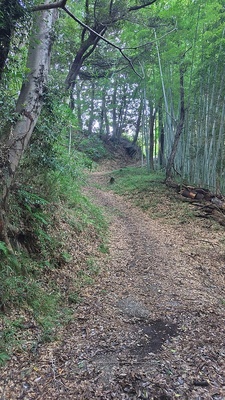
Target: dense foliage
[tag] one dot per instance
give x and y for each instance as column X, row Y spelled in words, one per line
column 131, row 85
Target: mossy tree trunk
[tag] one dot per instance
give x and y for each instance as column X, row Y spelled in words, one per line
column 28, row 108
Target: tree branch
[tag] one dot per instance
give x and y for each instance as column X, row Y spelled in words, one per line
column 92, row 49
column 153, row 41
column 135, row 8
column 62, row 4
column 102, row 38
column 58, row 4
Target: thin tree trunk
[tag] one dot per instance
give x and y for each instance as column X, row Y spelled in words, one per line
column 107, row 126
column 169, row 130
column 161, row 136
column 219, row 144
column 138, row 123
column 145, row 129
column 103, row 111
column 78, row 106
column 151, row 138
column 114, row 113
column 91, row 112
column 214, row 111
column 179, row 129
column 121, row 115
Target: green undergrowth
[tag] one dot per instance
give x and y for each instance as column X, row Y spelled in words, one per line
column 52, row 227
column 149, row 192
column 49, row 216
column 25, row 298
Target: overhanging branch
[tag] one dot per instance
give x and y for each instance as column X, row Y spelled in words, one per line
column 102, row 38
column 41, row 7
column 62, row 4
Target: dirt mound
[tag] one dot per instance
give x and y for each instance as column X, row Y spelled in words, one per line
column 121, row 155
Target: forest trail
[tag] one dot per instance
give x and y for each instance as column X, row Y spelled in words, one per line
column 150, row 327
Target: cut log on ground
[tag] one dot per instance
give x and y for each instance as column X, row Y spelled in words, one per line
column 210, row 205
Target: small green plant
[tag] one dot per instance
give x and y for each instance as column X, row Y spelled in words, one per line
column 66, row 257
column 4, row 357
column 93, row 267
column 3, row 248
column 222, row 302
column 9, row 337
column 103, row 247
column 74, row 298
column 48, row 324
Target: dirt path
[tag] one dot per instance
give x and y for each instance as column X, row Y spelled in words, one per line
column 151, row 327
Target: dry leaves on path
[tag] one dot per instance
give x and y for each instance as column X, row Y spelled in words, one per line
column 150, row 327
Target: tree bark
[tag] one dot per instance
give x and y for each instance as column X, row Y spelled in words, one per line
column 28, row 107
column 107, row 125
column 122, row 112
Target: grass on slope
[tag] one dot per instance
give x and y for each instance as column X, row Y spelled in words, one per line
column 148, row 191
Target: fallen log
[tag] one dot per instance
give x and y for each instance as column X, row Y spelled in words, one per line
column 210, row 205
column 216, row 215
column 218, row 203
column 196, row 193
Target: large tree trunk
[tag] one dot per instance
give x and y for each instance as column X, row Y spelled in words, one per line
column 28, row 106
